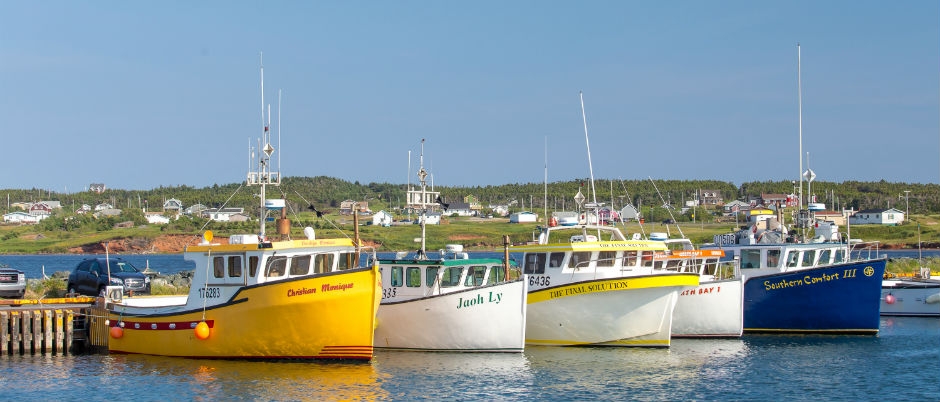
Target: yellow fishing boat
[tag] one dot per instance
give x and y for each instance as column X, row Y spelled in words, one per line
column 256, row 298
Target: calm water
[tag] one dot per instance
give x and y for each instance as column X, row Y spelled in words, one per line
column 901, row 363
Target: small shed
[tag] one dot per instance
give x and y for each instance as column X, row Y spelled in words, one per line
column 523, row 217
column 382, row 218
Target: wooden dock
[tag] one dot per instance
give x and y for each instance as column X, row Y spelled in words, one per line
column 52, row 326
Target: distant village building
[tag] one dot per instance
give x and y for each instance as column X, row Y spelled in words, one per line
column 103, row 206
column 709, row 197
column 888, row 216
column 523, row 217
column 736, row 207
column 781, row 200
column 460, row 208
column 226, row 214
column 430, row 218
column 173, row 205
column 41, row 210
column 97, row 187
column 195, row 210
column 156, row 218
column 629, row 212
column 839, row 218
column 346, row 207
column 382, row 218
column 20, row 217
column 83, row 209
column 500, row 210
column 53, row 204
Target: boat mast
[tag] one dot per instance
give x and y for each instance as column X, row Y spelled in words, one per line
column 263, row 176
column 590, row 166
column 799, row 85
column 422, row 175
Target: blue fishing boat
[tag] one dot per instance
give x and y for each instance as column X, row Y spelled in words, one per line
column 793, row 286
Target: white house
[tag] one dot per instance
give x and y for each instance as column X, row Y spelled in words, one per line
column 501, row 210
column 433, row 218
column 224, row 214
column 523, row 217
column 156, row 218
column 889, row 216
column 460, row 208
column 20, row 217
column 173, row 205
column 382, row 218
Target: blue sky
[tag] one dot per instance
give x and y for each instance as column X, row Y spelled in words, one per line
column 139, row 95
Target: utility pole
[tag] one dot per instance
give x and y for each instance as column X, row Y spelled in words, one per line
column 907, row 213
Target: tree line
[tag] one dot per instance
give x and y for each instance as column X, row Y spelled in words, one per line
column 326, row 193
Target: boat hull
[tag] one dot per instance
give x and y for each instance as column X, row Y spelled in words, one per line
column 711, row 309
column 839, row 298
column 920, row 298
column 626, row 311
column 331, row 316
column 482, row 319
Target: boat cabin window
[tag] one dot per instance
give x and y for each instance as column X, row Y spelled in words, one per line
column 629, row 258
column 647, row 258
column 252, row 266
column 673, row 265
column 840, row 256
column 430, row 275
column 497, row 274
column 451, row 277
column 579, row 259
column 808, row 257
column 475, row 276
column 606, row 258
column 793, row 259
column 396, row 276
column 277, row 267
column 773, row 258
column 323, row 263
column 825, row 256
column 555, row 260
column 534, row 263
column 347, row 261
column 300, row 265
column 218, row 267
column 235, row 266
column 750, row 258
column 413, row 277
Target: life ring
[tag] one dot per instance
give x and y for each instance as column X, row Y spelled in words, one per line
column 553, row 221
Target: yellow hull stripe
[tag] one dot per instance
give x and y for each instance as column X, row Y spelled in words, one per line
column 612, row 285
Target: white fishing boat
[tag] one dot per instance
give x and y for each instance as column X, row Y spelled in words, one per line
column 452, row 303
column 255, row 298
column 914, row 296
column 589, row 285
column 917, row 295
column 714, row 308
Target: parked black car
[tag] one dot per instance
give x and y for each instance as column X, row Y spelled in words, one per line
column 90, row 277
column 12, row 283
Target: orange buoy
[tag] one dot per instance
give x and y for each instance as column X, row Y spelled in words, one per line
column 117, row 332
column 202, row 331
